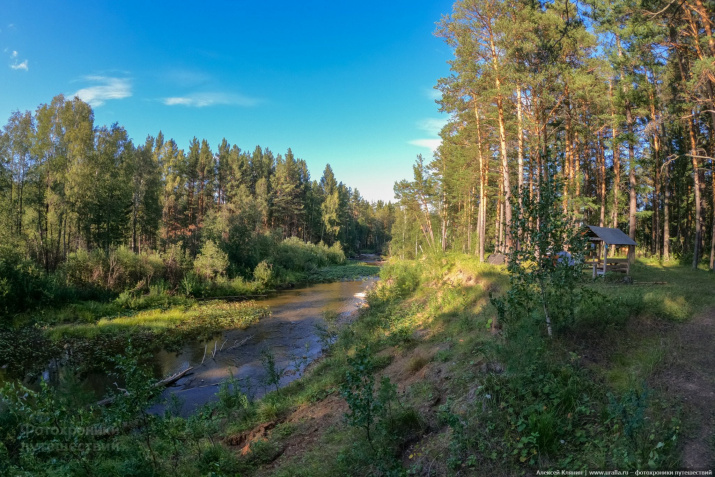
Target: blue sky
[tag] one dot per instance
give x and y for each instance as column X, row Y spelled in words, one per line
column 350, row 84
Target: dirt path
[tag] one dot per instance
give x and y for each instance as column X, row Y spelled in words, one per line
column 689, row 375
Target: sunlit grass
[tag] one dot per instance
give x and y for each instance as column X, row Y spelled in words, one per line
column 665, row 290
column 445, row 300
column 634, row 362
column 210, row 315
column 353, row 271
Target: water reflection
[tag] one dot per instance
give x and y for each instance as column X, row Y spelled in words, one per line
column 289, row 333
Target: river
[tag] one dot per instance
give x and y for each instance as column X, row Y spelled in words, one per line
column 289, row 334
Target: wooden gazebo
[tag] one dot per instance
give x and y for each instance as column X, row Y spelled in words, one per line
column 615, row 238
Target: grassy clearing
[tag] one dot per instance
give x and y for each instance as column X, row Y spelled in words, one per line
column 663, row 290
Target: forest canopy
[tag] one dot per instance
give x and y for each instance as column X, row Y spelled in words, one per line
column 617, row 96
column 73, row 193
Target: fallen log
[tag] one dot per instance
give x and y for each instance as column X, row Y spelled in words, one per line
column 234, row 297
column 163, row 383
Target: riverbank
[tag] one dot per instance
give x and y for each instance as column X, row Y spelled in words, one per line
column 269, row 354
column 470, row 402
column 87, row 334
column 423, row 384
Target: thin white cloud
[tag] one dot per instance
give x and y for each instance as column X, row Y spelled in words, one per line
column 186, row 78
column 202, row 100
column 431, row 144
column 432, row 126
column 16, row 63
column 20, row 66
column 433, row 94
column 106, row 89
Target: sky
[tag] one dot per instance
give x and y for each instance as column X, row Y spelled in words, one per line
column 345, row 83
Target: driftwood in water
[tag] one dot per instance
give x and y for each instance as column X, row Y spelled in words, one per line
column 175, row 377
column 159, row 384
column 234, row 298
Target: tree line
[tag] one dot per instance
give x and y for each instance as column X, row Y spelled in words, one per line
column 68, row 185
column 614, row 97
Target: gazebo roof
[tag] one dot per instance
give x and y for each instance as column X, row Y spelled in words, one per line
column 609, row 236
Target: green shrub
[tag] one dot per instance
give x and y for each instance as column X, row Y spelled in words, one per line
column 211, row 261
column 367, row 407
column 545, row 269
column 176, row 263
column 22, row 283
column 335, row 254
column 191, row 285
column 263, row 273
column 401, row 278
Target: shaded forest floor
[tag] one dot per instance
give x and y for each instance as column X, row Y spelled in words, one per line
column 688, row 375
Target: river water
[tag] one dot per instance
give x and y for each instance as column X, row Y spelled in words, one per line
column 289, row 334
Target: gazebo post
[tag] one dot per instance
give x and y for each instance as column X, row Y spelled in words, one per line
column 605, row 257
column 595, row 267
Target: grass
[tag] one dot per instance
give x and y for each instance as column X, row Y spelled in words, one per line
column 680, row 293
column 469, row 402
column 353, row 271
column 207, row 317
column 631, row 366
column 444, row 302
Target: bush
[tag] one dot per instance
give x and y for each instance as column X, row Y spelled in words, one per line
column 402, row 277
column 211, row 261
column 263, row 273
column 295, row 255
column 335, row 253
column 22, row 283
column 85, row 269
column 545, row 268
column 176, row 264
column 117, row 271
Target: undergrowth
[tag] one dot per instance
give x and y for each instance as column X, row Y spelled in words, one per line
column 428, row 389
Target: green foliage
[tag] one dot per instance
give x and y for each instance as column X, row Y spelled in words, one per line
column 367, row 408
column 211, row 261
column 545, row 263
column 21, row 283
column 295, row 255
column 26, row 352
column 639, row 440
column 84, row 213
column 328, row 332
column 263, row 273
column 60, row 431
column 116, row 271
column 552, row 414
column 402, row 277
column 231, row 400
column 273, row 373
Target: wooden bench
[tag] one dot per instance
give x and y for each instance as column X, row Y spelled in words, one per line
column 618, row 265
